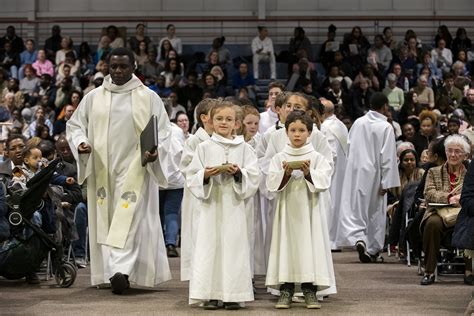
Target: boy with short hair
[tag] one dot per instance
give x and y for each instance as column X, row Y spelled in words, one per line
column 299, row 174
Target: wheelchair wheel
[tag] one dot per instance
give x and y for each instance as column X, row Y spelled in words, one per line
column 66, row 275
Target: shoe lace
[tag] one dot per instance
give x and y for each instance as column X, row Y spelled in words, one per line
column 285, row 296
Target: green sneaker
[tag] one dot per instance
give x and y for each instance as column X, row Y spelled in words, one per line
column 284, row 302
column 310, row 299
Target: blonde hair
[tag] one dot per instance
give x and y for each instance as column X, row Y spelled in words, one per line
column 248, row 110
column 239, row 118
column 204, row 107
column 219, row 105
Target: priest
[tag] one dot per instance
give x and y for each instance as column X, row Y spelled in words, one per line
column 336, row 134
column 371, row 170
column 126, row 240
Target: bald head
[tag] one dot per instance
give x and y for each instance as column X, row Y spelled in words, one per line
column 328, row 107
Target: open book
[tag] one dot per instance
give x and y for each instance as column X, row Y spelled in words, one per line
column 149, row 138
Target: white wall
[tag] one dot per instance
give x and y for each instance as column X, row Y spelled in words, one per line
column 218, row 8
column 198, row 21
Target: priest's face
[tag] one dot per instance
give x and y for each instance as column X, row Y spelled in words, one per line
column 121, row 69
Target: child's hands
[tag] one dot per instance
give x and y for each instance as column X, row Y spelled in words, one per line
column 209, row 172
column 232, row 169
column 70, row 180
column 305, row 167
column 287, row 169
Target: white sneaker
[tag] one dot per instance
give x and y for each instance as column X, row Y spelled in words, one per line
column 81, row 263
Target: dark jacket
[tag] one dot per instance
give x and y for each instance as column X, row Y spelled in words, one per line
column 463, row 236
column 4, row 226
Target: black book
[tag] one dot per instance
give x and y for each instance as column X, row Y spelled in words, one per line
column 149, row 138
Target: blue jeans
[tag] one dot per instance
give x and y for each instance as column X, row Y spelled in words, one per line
column 170, row 207
column 79, row 246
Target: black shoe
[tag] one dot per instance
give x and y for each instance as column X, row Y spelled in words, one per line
column 377, row 259
column 210, row 305
column 364, row 256
column 427, row 279
column 32, row 278
column 231, row 306
column 119, row 283
column 469, row 280
column 171, row 251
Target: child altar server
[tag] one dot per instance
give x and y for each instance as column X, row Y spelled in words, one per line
column 300, row 253
column 223, row 175
column 188, row 217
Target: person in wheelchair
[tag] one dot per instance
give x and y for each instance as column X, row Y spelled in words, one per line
column 442, row 190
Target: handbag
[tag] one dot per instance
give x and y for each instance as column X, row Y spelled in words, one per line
column 448, row 214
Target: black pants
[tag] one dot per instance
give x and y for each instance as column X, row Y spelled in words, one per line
column 291, row 287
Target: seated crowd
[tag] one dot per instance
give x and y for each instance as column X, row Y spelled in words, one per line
column 430, row 92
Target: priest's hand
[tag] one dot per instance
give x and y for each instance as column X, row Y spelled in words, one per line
column 84, row 148
column 151, row 156
column 382, row 192
column 305, row 167
column 209, row 172
column 287, row 169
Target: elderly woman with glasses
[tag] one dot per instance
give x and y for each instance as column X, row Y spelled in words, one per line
column 443, row 186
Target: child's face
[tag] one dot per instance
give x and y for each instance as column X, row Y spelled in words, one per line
column 251, row 124
column 224, row 122
column 294, row 103
column 32, row 161
column 453, row 128
column 297, row 133
column 272, row 94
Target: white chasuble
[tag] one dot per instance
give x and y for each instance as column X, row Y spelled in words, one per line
column 124, row 225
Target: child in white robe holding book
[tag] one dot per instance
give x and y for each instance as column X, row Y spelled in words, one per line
column 222, row 175
column 188, row 216
column 299, row 249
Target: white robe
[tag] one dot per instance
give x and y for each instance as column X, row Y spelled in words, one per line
column 278, row 141
column 267, row 119
column 371, row 165
column 143, row 258
column 267, row 201
column 188, row 207
column 221, row 261
column 337, row 136
column 256, row 225
column 300, row 250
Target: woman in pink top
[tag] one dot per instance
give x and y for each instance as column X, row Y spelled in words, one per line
column 43, row 65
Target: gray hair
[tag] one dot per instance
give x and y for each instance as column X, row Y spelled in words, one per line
column 392, row 77
column 457, row 140
column 458, row 63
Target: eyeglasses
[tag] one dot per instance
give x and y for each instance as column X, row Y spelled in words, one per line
column 457, row 152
